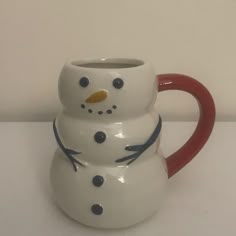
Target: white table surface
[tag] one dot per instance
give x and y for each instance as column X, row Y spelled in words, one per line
column 201, row 199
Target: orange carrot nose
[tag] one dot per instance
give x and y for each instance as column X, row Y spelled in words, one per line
column 98, row 96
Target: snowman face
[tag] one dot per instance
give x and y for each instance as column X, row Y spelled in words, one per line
column 93, row 100
column 107, row 90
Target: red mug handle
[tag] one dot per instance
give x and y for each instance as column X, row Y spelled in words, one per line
column 186, row 153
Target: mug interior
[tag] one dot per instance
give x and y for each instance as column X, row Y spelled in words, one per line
column 112, row 63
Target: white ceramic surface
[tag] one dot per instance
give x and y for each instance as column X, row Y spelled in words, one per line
column 128, row 194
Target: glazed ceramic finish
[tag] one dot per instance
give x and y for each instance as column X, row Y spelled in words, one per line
column 128, row 195
column 118, row 135
column 124, row 90
column 194, row 144
column 135, row 98
column 108, row 170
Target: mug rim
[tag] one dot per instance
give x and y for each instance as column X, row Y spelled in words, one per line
column 108, row 63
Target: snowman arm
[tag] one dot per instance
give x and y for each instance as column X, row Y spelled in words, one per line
column 154, row 135
column 149, row 142
column 130, row 157
column 138, row 147
column 143, row 147
column 68, row 152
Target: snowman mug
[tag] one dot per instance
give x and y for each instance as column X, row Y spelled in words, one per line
column 108, row 170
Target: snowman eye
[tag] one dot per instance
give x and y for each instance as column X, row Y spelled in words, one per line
column 118, row 83
column 84, row 82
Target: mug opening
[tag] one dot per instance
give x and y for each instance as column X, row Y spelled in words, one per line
column 112, row 63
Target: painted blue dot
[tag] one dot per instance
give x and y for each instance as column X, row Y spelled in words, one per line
column 98, row 180
column 100, row 137
column 97, row 209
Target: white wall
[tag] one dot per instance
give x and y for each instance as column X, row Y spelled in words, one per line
column 195, row 37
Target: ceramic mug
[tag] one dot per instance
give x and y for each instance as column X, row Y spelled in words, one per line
column 108, row 171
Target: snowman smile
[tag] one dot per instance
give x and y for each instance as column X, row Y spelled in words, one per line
column 100, row 112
